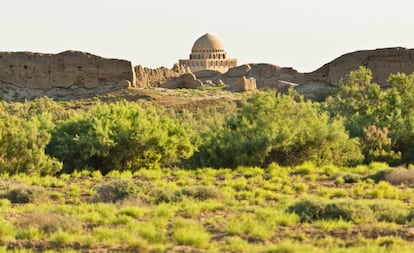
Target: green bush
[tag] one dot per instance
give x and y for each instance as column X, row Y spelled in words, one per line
column 351, row 178
column 389, row 211
column 122, row 136
column 381, row 118
column 116, row 190
column 348, row 210
column 357, row 211
column 22, row 145
column 202, row 193
column 164, row 195
column 24, row 194
column 410, row 215
column 310, row 209
column 271, row 127
column 378, row 176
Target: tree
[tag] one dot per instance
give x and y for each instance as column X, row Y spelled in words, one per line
column 120, row 136
column 22, row 145
column 383, row 119
column 271, row 127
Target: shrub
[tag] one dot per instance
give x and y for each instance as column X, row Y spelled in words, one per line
column 385, row 190
column 202, row 193
column 191, row 234
column 123, row 136
column 410, row 215
column 48, row 222
column 377, row 145
column 22, row 145
column 163, row 195
column 351, row 178
column 398, row 176
column 348, row 210
column 310, row 210
column 378, row 176
column 24, row 194
column 381, row 118
column 116, row 190
column 389, row 211
column 270, row 127
column 362, row 211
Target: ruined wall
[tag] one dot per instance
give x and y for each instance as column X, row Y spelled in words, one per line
column 247, row 77
column 382, row 63
column 72, row 69
column 147, row 77
column 63, row 70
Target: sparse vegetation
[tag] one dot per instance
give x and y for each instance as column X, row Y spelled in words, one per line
column 23, row 194
column 137, row 212
column 264, row 172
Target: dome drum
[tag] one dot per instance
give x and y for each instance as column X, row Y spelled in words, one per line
column 208, row 53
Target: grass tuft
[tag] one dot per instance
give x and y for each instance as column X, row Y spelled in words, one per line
column 190, row 233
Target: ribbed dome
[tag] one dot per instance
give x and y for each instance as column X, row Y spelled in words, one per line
column 207, row 42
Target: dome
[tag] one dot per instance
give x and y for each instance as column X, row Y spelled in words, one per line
column 207, row 42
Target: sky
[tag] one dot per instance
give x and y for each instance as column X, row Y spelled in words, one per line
column 302, row 34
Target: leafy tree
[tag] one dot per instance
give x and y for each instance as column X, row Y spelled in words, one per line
column 361, row 102
column 382, row 118
column 377, row 145
column 271, row 127
column 401, row 115
column 22, row 145
column 120, row 136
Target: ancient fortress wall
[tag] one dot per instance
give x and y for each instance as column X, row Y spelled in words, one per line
column 154, row 77
column 72, row 69
column 382, row 63
column 64, row 70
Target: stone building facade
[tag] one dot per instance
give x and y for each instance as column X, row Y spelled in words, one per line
column 208, row 53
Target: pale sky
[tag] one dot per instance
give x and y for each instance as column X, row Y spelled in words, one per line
column 303, row 34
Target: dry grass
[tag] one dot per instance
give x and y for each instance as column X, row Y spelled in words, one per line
column 399, row 176
column 24, row 194
column 48, row 222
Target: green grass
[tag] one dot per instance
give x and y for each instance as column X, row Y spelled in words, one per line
column 275, row 209
column 190, row 233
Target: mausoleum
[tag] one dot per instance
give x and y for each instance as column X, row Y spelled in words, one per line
column 208, row 53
